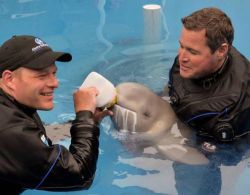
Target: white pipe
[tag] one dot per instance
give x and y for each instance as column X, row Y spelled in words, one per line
column 152, row 23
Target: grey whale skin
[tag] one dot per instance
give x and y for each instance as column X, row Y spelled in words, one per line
column 148, row 117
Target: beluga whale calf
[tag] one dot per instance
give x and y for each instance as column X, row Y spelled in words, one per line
column 149, row 118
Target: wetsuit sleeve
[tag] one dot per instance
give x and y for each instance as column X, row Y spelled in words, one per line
column 76, row 168
column 28, row 162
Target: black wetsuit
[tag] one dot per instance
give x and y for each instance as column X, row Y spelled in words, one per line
column 28, row 159
column 217, row 106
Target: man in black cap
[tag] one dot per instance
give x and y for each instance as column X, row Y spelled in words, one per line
column 28, row 159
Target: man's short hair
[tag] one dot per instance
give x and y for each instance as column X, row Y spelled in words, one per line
column 217, row 24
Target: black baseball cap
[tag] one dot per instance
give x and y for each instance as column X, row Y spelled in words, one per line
column 29, row 52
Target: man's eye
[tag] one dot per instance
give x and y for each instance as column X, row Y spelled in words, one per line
column 193, row 52
column 42, row 75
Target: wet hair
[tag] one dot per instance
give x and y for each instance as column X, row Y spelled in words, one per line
column 217, row 24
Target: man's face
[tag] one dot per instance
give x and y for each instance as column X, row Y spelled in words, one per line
column 35, row 88
column 195, row 57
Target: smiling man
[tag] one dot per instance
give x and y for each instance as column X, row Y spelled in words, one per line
column 209, row 81
column 28, row 159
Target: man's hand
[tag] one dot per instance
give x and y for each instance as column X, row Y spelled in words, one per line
column 100, row 114
column 85, row 99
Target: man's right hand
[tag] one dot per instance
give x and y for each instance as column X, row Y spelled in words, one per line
column 85, row 99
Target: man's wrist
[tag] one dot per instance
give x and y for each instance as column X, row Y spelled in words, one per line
column 85, row 116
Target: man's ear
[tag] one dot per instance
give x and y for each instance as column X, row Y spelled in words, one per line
column 222, row 51
column 7, row 79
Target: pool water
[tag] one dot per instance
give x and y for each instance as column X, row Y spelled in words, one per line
column 111, row 37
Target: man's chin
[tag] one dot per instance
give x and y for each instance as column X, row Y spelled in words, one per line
column 185, row 75
column 45, row 108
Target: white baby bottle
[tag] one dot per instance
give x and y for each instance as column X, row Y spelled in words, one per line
column 107, row 91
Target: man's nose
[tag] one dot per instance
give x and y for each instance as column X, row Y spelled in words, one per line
column 183, row 55
column 53, row 81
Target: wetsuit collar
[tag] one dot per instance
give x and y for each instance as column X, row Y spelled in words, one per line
column 28, row 110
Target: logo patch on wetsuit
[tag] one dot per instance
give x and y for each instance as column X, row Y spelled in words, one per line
column 44, row 140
